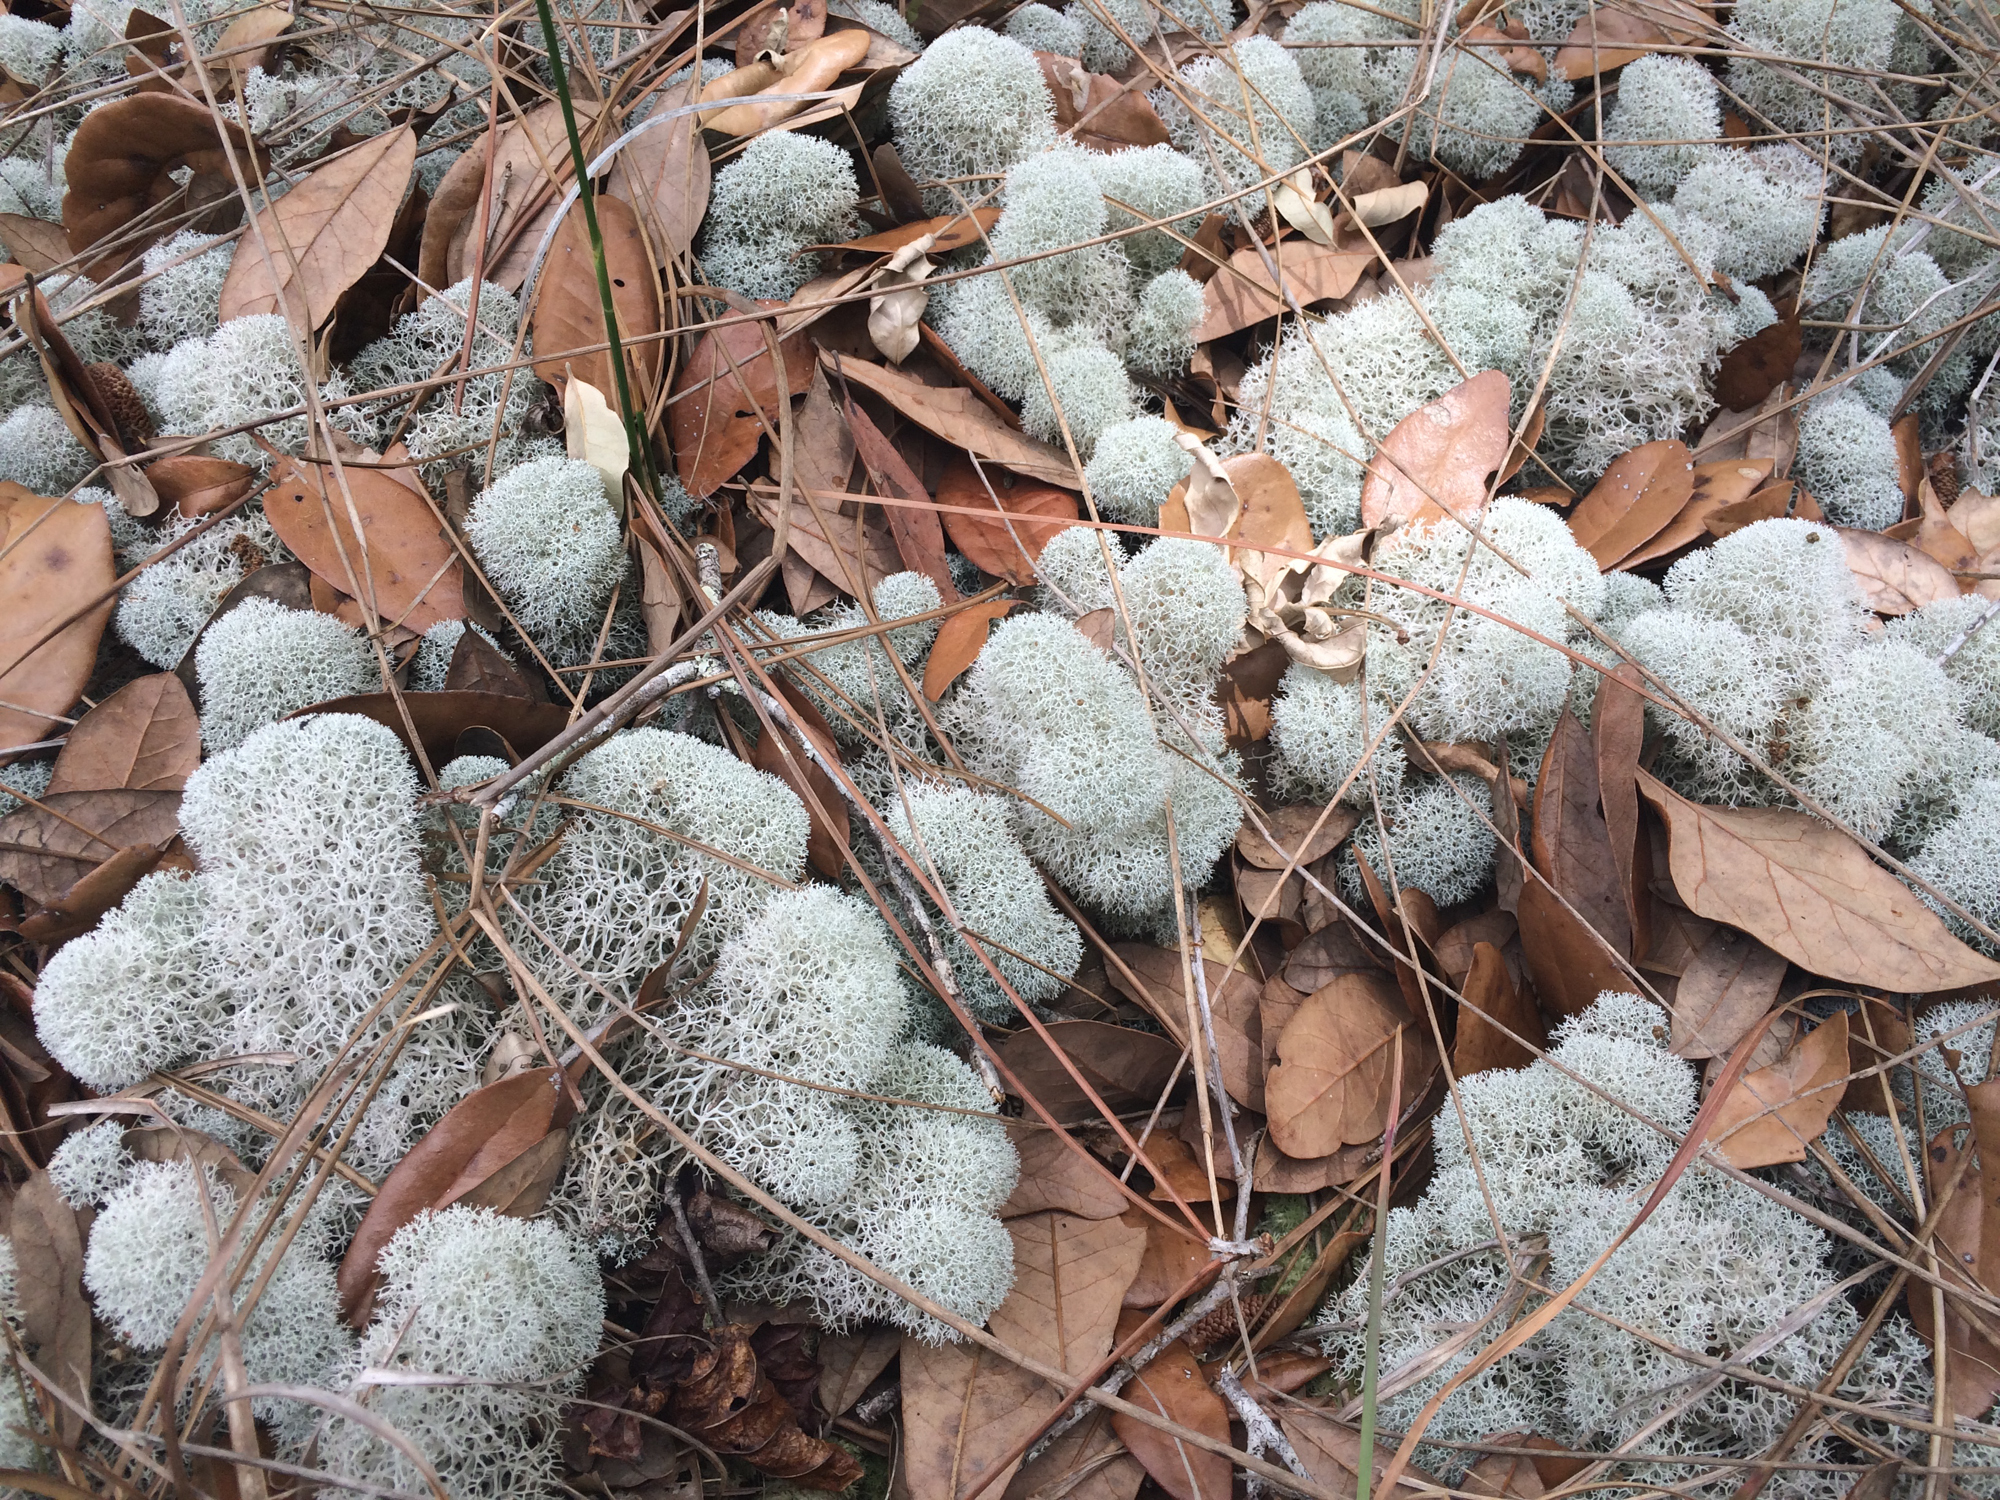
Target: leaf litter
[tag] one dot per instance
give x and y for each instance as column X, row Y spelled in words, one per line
column 1334, row 629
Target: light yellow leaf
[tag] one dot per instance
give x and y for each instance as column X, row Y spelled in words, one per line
column 1387, row 205
column 593, row 433
column 1294, row 197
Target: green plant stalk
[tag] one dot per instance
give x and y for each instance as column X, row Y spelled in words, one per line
column 633, row 418
column 1371, row 1339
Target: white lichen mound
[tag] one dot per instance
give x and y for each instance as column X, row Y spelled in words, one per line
column 927, row 1186
column 785, row 192
column 514, row 1307
column 1490, row 676
column 1148, row 182
column 149, row 1248
column 1045, row 711
column 1715, row 667
column 160, row 611
column 1478, row 115
column 1660, row 124
column 1170, row 311
column 616, row 894
column 961, row 839
column 971, row 106
column 1087, row 390
column 1847, row 459
column 183, row 286
column 241, row 376
column 1717, row 1268
column 1765, row 203
column 1254, row 95
column 1187, row 612
column 38, row 451
column 262, row 661
column 1319, row 734
column 91, row 1164
column 1877, row 733
column 1041, row 29
column 1799, row 91
column 127, row 997
column 1962, row 859
column 1974, row 667
column 1135, row 467
column 547, row 536
column 1440, row 840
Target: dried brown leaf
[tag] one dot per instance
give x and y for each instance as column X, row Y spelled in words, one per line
column 1716, row 486
column 1725, row 990
column 122, row 160
column 76, row 911
column 569, row 313
column 1810, row 892
column 1564, row 954
column 1755, row 367
column 1242, row 291
column 1006, row 548
column 478, row 1136
column 440, row 718
column 1171, row 1258
column 416, row 573
column 1232, row 999
column 1054, row 1176
column 1174, row 1386
column 1289, row 826
column 144, row 738
column 1085, row 1462
column 1336, row 1062
column 1895, row 578
column 44, row 853
column 195, row 484
column 782, row 756
column 57, row 558
column 849, row 1363
column 1331, row 1449
column 35, row 243
column 1638, row 496
column 722, row 398
column 1438, row 458
column 964, row 1408
column 1127, row 1068
column 524, row 201
column 303, row 251
column 961, row 419
column 959, row 641
column 48, row 1279
column 664, row 176
column 915, row 525
column 1480, row 1044
column 1570, row 844
column 1111, row 115
column 1773, row 1112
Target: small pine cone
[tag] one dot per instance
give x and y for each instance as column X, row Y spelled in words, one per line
column 1219, row 1324
column 1944, row 476
column 128, row 412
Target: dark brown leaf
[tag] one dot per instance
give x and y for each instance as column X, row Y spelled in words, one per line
column 479, row 666
column 1753, row 369
column 1174, row 1386
column 1966, row 1242
column 1480, row 1044
column 778, row 753
column 441, row 718
column 723, row 397
column 48, row 1272
column 1571, row 846
column 918, row 532
column 1564, row 954
column 569, row 312
column 1127, row 1068
column 1617, row 734
column 43, row 854
column 77, row 909
column 849, row 1363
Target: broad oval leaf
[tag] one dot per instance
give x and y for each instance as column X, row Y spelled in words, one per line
column 43, row 854
column 55, row 558
column 664, row 175
column 1005, row 547
column 416, row 573
column 301, row 252
column 569, row 310
column 723, row 397
column 1174, row 1386
column 1895, row 577
column 1639, row 494
column 1336, row 1061
column 1812, row 893
column 1724, row 991
column 1438, row 458
column 145, row 737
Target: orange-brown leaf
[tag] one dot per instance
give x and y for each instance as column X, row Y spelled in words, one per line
column 1174, row 1386
column 722, row 398
column 1242, row 292
column 1772, row 1113
column 961, row 419
column 303, row 251
column 1025, row 517
column 1571, row 845
column 417, row 576
column 1481, row 1044
column 664, row 175
column 1638, row 496
column 195, row 484
column 1054, row 1175
column 1812, row 893
column 959, row 641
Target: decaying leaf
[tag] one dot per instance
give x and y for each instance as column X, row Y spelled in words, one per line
column 899, row 301
column 722, row 399
column 409, row 560
column 1571, row 845
column 730, row 1403
column 1242, row 292
column 1104, row 114
column 195, row 484
column 964, row 1408
column 1174, row 1386
column 45, row 852
column 48, row 1271
column 311, row 245
column 664, row 175
column 1481, row 1044
column 440, row 718
column 1725, row 990
column 1895, row 578
column 1055, row 1176
column 522, row 197
column 1126, row 1068
column 1772, row 1113
column 1439, row 457
column 1336, row 1062
column 1638, row 496
column 1811, row 893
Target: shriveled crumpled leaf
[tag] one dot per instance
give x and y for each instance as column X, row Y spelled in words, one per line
column 1812, row 893
column 522, row 200
column 1294, row 199
column 1294, row 606
column 731, row 1404
column 898, row 307
column 810, row 69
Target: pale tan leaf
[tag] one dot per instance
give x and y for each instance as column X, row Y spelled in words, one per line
column 1054, row 1175
column 304, row 250
column 664, row 174
column 593, row 433
column 1895, row 577
column 1724, row 991
column 1438, row 458
column 1387, row 205
column 1242, row 292
column 1812, row 893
